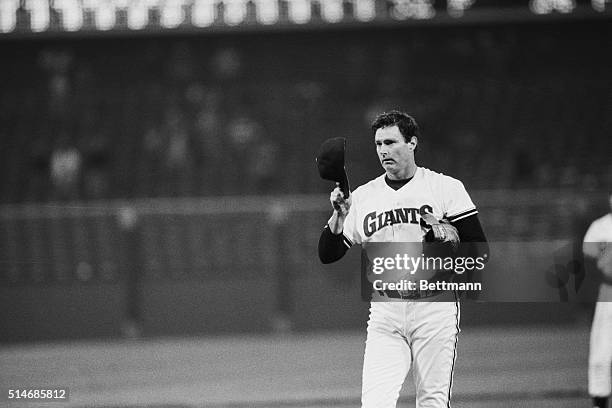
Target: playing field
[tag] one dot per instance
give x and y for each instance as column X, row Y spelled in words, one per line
column 509, row 367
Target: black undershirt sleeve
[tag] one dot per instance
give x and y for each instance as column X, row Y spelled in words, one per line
column 471, row 231
column 473, row 245
column 331, row 246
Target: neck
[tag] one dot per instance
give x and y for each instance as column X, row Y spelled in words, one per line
column 403, row 174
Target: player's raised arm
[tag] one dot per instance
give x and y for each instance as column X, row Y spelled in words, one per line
column 341, row 208
column 332, row 243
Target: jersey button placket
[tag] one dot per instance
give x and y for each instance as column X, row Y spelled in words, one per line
column 394, row 227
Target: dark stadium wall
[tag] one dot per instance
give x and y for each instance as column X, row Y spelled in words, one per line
column 208, row 307
column 59, row 312
column 193, row 266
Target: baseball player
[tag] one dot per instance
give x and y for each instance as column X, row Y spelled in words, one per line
column 598, row 246
column 418, row 333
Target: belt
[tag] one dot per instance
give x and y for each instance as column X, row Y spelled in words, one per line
column 409, row 294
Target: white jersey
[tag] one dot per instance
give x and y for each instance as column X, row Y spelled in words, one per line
column 600, row 233
column 379, row 213
column 600, row 230
column 598, row 244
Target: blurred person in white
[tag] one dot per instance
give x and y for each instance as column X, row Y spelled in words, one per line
column 57, row 64
column 208, row 141
column 95, row 146
column 226, row 63
column 65, row 167
column 178, row 158
column 257, row 153
column 598, row 246
column 264, row 166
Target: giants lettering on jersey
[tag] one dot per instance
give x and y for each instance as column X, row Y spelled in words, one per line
column 375, row 221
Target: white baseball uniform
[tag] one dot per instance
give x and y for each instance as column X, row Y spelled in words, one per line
column 600, row 348
column 401, row 334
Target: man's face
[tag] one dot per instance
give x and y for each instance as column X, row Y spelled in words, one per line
column 394, row 153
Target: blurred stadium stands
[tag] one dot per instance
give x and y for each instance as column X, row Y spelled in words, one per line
column 504, row 106
column 210, row 140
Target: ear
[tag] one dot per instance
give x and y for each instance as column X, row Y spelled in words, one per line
column 414, row 142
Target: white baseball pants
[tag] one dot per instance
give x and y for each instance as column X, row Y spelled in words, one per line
column 403, row 335
column 600, row 349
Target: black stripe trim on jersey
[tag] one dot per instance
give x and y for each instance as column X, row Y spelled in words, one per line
column 462, row 215
column 347, row 242
column 457, row 314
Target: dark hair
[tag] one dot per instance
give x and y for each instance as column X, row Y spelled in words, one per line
column 404, row 122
